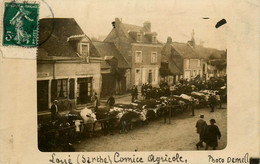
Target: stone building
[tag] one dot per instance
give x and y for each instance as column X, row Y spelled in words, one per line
column 114, row 68
column 66, row 70
column 141, row 49
column 183, row 61
column 215, row 61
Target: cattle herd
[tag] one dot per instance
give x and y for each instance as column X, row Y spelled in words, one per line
column 59, row 134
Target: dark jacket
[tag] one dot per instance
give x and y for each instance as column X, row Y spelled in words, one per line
column 53, row 109
column 111, row 101
column 212, row 100
column 212, row 135
column 201, row 125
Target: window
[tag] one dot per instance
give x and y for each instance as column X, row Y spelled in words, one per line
column 62, row 90
column 194, row 73
column 139, row 37
column 138, row 77
column 150, row 76
column 154, row 57
column 199, row 63
column 187, row 63
column 154, row 39
column 138, row 57
column 84, row 51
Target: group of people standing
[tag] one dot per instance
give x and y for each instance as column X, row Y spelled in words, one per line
column 149, row 92
column 210, row 134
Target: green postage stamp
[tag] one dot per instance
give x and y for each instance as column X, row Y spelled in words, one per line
column 20, row 24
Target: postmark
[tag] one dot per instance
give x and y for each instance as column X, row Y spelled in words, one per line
column 20, row 24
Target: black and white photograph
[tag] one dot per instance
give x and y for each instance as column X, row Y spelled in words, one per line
column 131, row 79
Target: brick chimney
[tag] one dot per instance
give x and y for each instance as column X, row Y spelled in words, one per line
column 147, row 26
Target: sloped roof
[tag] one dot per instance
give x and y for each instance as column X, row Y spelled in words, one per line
column 53, row 37
column 131, row 27
column 134, row 28
column 207, row 52
column 107, row 49
column 185, row 50
column 174, row 68
column 169, row 57
column 125, row 30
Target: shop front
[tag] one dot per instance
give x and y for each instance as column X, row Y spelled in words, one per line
column 71, row 84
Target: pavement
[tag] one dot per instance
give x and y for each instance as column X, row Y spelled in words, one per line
column 157, row 135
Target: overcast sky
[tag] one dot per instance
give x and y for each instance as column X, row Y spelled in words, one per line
column 175, row 18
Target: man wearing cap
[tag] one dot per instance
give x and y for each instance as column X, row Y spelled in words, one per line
column 212, row 135
column 201, row 126
column 54, row 110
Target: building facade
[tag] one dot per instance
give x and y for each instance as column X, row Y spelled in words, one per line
column 114, row 68
column 66, row 70
column 183, row 61
column 141, row 49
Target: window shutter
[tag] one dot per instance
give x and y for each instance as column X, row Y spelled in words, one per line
column 72, row 89
column 53, row 90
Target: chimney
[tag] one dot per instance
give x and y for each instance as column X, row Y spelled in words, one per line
column 169, row 40
column 192, row 41
column 147, row 26
column 117, row 22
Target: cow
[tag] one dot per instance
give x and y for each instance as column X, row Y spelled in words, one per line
column 89, row 119
column 130, row 117
column 103, row 117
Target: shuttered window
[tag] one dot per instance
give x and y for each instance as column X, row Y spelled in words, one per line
column 72, row 89
column 62, row 91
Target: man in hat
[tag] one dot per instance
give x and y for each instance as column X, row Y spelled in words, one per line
column 212, row 102
column 54, row 110
column 201, row 126
column 212, row 135
column 192, row 106
column 111, row 101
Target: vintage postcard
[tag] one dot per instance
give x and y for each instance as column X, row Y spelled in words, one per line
column 129, row 82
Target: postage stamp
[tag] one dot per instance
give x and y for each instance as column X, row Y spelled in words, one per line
column 20, row 24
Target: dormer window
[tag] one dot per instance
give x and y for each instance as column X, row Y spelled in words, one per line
column 139, row 37
column 84, row 50
column 154, row 39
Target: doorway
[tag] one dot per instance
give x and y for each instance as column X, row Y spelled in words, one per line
column 84, row 89
column 150, row 76
column 42, row 95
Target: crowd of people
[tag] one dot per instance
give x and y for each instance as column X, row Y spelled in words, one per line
column 182, row 87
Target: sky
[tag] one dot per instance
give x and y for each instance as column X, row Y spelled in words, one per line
column 174, row 18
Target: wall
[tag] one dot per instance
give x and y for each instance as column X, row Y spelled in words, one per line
column 66, row 70
column 192, row 69
column 146, row 64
